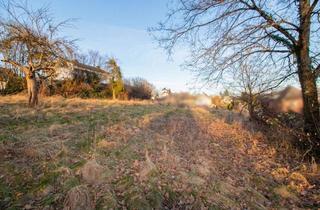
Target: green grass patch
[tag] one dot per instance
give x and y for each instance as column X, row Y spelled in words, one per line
column 47, row 179
column 5, row 194
column 48, row 200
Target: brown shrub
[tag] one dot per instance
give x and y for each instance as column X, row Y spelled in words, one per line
column 139, row 88
column 73, row 88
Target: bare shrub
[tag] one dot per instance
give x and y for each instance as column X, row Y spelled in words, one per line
column 72, row 88
column 139, row 88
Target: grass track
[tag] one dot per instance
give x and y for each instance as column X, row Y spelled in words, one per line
column 153, row 157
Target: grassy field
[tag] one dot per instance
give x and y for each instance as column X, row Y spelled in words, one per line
column 143, row 155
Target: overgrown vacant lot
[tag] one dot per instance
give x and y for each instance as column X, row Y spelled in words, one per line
column 140, row 155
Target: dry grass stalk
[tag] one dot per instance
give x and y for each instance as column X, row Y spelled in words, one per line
column 147, row 167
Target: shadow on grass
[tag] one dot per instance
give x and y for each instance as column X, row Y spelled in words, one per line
column 200, row 161
column 199, row 164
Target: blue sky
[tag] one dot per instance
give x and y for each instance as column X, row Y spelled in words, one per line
column 119, row 28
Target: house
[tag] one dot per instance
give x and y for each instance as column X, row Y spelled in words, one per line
column 287, row 100
column 165, row 92
column 4, row 78
column 77, row 70
column 3, row 85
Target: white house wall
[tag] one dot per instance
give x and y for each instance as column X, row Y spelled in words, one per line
column 3, row 85
column 64, row 73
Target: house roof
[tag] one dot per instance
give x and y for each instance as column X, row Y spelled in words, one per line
column 287, row 93
column 290, row 92
column 84, row 67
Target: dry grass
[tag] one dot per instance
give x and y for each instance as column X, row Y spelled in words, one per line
column 139, row 155
column 78, row 198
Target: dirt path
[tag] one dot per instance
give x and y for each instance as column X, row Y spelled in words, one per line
column 142, row 156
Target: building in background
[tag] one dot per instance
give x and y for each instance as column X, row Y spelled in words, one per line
column 79, row 71
column 286, row 100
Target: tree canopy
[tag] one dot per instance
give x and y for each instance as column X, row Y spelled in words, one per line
column 116, row 77
column 223, row 33
column 220, row 33
column 30, row 42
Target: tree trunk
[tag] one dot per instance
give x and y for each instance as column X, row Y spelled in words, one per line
column 251, row 103
column 32, row 89
column 307, row 78
column 113, row 94
column 251, row 110
column 310, row 100
column 252, row 107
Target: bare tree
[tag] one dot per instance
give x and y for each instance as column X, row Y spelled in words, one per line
column 92, row 58
column 96, row 59
column 139, row 88
column 252, row 78
column 35, row 35
column 82, row 58
column 223, row 32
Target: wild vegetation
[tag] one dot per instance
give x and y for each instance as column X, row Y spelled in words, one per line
column 99, row 140
column 31, row 50
column 223, row 35
column 29, row 42
column 141, row 155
